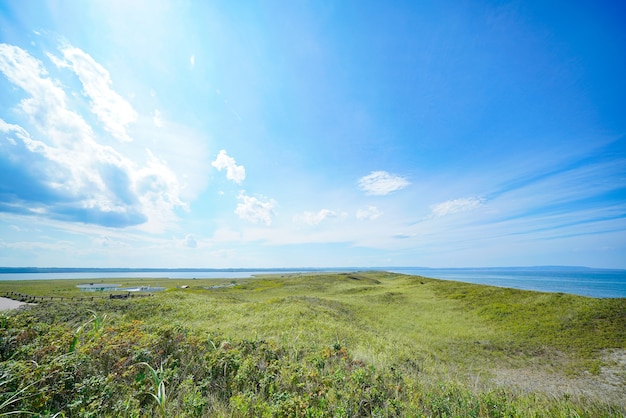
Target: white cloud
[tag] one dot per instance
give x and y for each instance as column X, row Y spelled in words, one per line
column 111, row 109
column 382, row 183
column 255, row 210
column 64, row 173
column 156, row 118
column 234, row 172
column 314, row 218
column 192, row 61
column 456, row 205
column 369, row 214
column 46, row 106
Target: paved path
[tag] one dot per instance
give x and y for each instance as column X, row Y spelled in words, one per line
column 8, row 304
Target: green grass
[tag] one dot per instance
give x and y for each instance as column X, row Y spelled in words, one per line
column 358, row 344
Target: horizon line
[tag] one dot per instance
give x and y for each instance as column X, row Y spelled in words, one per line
column 31, row 269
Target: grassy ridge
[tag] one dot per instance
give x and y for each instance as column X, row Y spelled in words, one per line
column 358, row 344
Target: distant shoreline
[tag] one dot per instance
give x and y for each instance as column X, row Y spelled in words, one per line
column 17, row 270
column 584, row 281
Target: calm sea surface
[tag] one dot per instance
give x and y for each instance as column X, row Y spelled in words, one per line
column 600, row 283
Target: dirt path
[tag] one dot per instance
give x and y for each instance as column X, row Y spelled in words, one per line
column 8, row 304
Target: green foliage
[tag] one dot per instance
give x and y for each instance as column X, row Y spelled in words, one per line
column 158, row 392
column 11, row 398
column 97, row 323
column 346, row 345
column 534, row 320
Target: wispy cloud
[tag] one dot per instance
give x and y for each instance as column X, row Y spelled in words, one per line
column 314, row 218
column 107, row 241
column 456, row 205
column 111, row 109
column 255, row 209
column 156, row 118
column 382, row 183
column 38, row 245
column 192, row 61
column 370, row 213
column 190, row 241
column 234, row 172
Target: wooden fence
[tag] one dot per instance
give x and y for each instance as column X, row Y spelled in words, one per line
column 22, row 297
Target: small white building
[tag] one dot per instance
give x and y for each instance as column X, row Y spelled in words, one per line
column 142, row 289
column 98, row 287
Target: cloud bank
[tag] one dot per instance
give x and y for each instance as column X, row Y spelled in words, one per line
column 53, row 164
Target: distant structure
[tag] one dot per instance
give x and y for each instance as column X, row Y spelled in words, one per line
column 108, row 287
column 142, row 289
column 98, row 287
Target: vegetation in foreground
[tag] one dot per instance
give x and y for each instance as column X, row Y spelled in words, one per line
column 342, row 345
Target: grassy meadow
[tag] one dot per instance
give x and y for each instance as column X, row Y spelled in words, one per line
column 313, row 345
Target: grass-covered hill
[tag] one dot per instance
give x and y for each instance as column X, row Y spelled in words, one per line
column 319, row 345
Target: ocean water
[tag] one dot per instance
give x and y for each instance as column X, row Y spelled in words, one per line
column 599, row 283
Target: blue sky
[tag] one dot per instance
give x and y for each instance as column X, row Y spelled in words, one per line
column 312, row 133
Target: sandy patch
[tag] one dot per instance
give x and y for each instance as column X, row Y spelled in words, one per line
column 609, row 385
column 8, row 304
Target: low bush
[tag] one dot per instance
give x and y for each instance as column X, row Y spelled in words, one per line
column 116, row 359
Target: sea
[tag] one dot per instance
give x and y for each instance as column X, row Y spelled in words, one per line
column 597, row 283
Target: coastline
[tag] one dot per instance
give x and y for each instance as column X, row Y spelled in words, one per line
column 582, row 281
